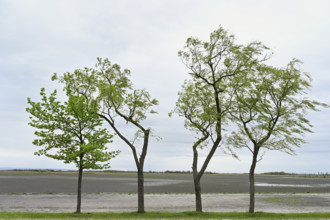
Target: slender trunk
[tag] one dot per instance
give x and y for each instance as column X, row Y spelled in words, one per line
column 140, row 191
column 198, row 175
column 140, row 165
column 79, row 189
column 138, row 161
column 251, row 178
column 197, row 184
column 198, row 195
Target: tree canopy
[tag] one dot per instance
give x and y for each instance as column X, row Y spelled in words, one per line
column 270, row 108
column 71, row 129
column 71, row 132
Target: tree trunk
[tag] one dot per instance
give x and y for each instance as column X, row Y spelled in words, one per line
column 198, row 195
column 197, row 184
column 79, row 189
column 198, row 175
column 251, row 178
column 140, row 191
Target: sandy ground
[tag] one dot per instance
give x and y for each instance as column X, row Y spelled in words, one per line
column 280, row 203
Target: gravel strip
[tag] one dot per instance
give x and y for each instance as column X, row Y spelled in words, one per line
column 277, row 203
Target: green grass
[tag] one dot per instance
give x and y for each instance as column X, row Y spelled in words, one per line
column 292, row 201
column 163, row 215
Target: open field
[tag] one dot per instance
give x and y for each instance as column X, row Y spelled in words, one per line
column 115, row 192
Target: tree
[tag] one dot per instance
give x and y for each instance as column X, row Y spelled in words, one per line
column 195, row 103
column 271, row 112
column 205, row 101
column 111, row 88
column 70, row 132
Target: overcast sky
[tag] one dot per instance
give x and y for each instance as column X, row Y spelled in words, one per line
column 40, row 37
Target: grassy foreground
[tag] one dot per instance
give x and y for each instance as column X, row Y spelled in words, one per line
column 163, row 215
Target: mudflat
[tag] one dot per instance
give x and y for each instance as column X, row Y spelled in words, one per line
column 116, row 192
column 57, row 182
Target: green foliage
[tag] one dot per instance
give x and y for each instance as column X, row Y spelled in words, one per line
column 270, row 108
column 70, row 131
column 195, row 103
column 109, row 86
column 216, row 61
column 216, row 65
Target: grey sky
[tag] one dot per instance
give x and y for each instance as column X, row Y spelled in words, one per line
column 40, row 37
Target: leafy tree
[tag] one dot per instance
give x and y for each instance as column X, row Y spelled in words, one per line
column 205, row 101
column 111, row 88
column 70, row 132
column 270, row 112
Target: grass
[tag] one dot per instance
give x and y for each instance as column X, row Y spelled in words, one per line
column 291, row 201
column 164, row 215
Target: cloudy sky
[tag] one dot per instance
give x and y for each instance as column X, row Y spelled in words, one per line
column 41, row 37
